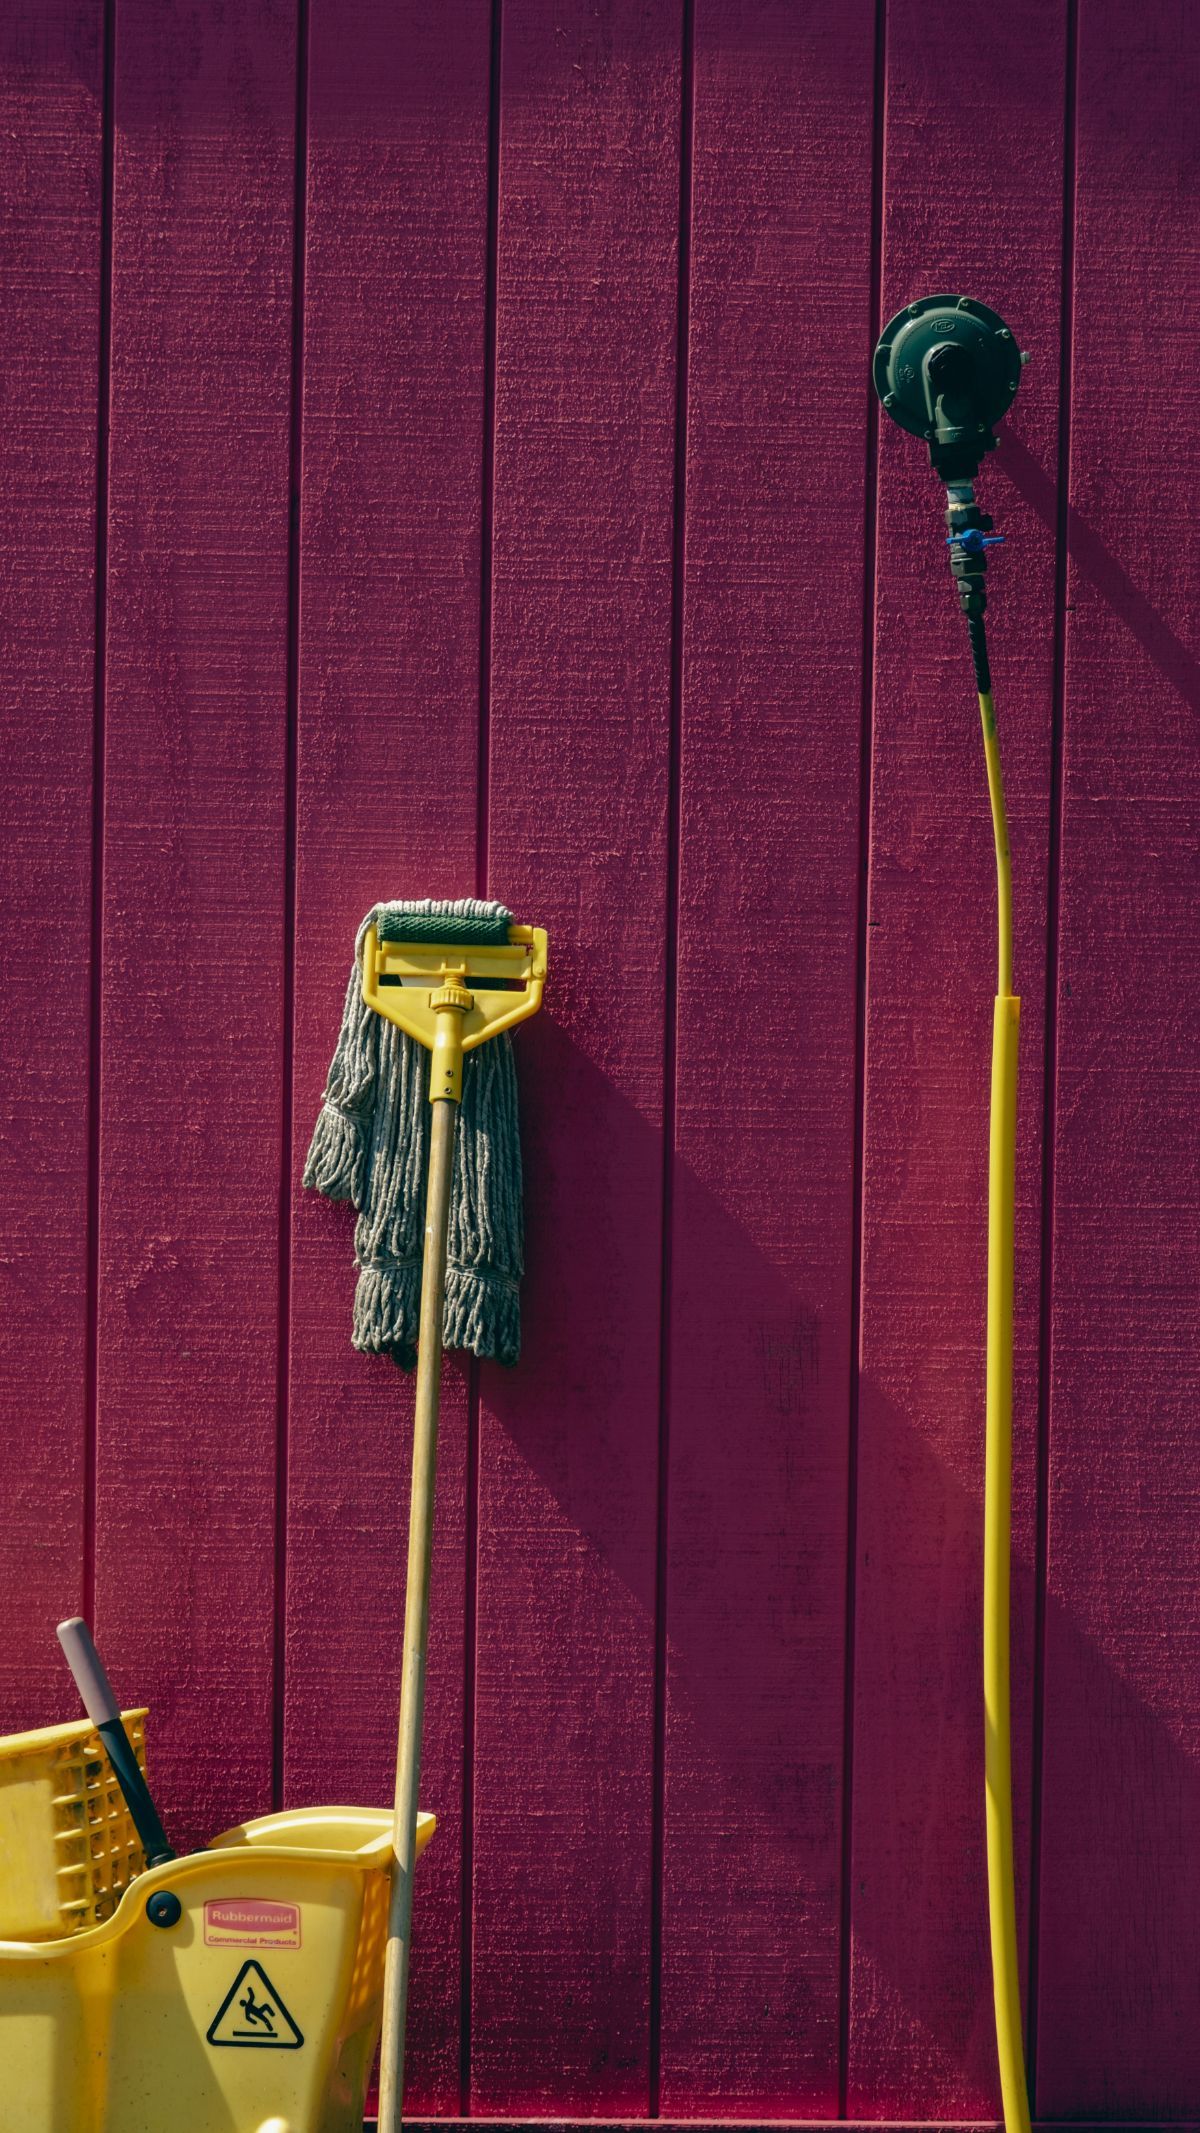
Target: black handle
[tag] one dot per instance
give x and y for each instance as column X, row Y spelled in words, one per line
column 105, row 1713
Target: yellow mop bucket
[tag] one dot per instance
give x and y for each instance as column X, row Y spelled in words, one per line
column 236, row 1990
column 233, row 1991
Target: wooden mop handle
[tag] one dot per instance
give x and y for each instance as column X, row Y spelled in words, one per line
column 434, row 1003
column 416, row 1611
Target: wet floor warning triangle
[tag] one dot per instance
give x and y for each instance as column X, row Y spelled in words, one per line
column 253, row 2016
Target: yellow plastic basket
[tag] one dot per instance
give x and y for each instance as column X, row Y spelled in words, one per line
column 68, row 1849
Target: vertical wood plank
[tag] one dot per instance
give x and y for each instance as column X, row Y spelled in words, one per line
column 1120, row 1873
column 584, row 471
column 388, row 737
column 762, row 1233
column 982, row 217
column 193, row 888
column 51, row 66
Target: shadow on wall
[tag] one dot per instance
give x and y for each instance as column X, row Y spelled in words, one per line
column 746, row 1513
column 1116, row 588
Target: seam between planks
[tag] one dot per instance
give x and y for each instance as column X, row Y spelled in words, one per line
column 866, row 759
column 482, row 847
column 288, row 1000
column 1050, row 1046
column 670, row 1046
column 488, row 471
column 99, row 706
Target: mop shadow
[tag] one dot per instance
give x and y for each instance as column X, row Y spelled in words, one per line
column 583, row 1407
column 758, row 1446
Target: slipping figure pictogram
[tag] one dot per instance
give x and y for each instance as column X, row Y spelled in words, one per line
column 253, row 2015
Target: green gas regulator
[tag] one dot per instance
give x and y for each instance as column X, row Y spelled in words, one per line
column 947, row 369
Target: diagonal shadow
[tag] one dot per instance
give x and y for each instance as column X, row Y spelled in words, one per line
column 1175, row 662
column 758, row 1626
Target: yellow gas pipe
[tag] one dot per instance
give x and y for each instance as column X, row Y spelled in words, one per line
column 946, row 369
column 997, row 1492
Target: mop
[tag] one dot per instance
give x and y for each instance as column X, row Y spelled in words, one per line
column 371, row 1147
column 946, row 369
column 442, row 978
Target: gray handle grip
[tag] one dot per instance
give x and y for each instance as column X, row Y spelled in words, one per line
column 88, row 1668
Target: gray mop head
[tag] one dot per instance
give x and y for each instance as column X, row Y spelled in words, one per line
column 371, row 1147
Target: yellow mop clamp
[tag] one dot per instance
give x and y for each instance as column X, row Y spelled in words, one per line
column 450, row 995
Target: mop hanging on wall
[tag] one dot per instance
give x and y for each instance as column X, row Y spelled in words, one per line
column 445, row 980
column 371, row 1147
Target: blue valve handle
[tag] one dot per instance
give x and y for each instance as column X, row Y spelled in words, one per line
column 972, row 541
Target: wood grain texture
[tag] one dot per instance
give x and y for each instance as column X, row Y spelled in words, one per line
column 193, row 890
column 51, row 65
column 538, row 665
column 763, row 1201
column 1121, row 1870
column 921, row 2021
column 584, row 468
column 387, row 748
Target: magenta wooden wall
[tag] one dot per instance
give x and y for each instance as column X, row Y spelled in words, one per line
column 437, row 455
